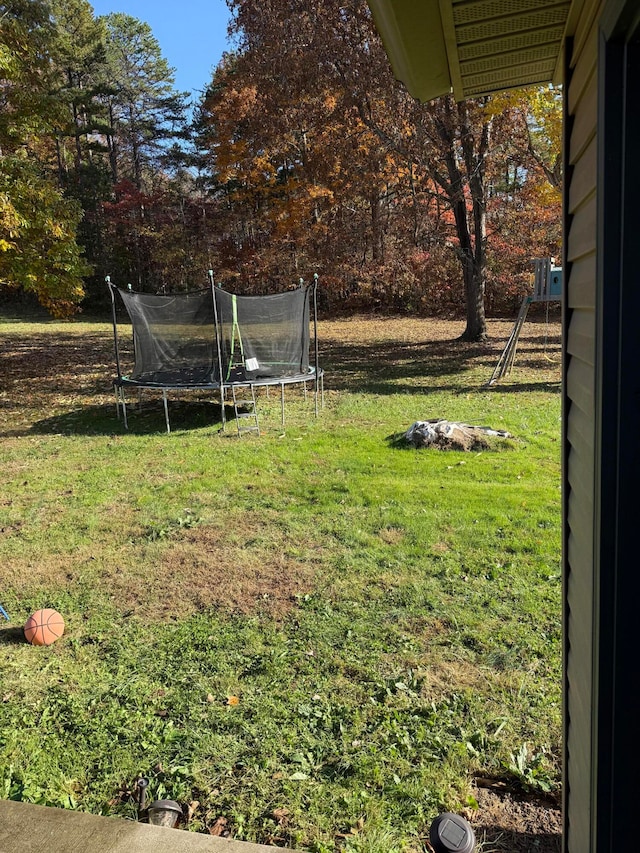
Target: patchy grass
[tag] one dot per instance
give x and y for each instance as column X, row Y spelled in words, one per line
column 315, row 638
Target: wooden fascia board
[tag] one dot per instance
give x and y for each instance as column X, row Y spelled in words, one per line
column 414, row 40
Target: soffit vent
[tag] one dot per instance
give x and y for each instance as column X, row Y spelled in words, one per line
column 544, row 55
column 496, row 47
column 498, row 44
column 532, row 22
column 465, row 12
column 485, row 83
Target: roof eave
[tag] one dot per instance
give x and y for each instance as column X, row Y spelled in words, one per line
column 436, row 47
column 410, row 29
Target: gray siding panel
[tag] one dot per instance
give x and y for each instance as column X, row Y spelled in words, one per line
column 580, row 435
column 584, row 127
column 578, row 548
column 582, row 95
column 580, row 639
column 585, row 43
column 578, row 477
column 584, row 68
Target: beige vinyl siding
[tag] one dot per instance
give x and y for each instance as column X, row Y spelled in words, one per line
column 582, row 180
column 580, row 337
column 582, row 230
column 580, row 387
column 583, row 283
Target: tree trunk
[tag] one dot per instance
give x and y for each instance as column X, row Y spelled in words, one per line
column 377, row 229
column 455, row 132
column 474, row 285
column 112, row 146
column 135, row 148
column 472, row 256
column 475, row 163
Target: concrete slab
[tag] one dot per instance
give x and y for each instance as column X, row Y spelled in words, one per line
column 25, row 828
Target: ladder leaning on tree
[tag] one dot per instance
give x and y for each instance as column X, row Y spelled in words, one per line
column 547, row 287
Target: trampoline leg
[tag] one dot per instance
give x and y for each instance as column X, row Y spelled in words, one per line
column 282, row 401
column 304, row 391
column 319, row 390
column 123, row 403
column 222, row 412
column 166, row 408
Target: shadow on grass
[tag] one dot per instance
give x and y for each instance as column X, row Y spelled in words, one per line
column 393, row 367
column 42, row 371
column 102, row 420
column 12, row 636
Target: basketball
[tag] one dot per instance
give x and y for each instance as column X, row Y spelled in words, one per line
column 44, row 627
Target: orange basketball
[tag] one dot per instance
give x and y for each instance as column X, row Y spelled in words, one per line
column 44, row 627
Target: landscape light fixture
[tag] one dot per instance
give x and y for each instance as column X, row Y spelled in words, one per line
column 451, row 833
column 164, row 813
column 160, row 812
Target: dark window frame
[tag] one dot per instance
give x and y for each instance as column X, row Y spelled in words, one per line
column 616, row 669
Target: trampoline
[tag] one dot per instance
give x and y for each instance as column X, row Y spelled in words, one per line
column 213, row 340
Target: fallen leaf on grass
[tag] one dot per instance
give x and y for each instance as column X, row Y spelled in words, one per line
column 233, row 700
column 219, row 826
column 354, row 830
column 281, row 816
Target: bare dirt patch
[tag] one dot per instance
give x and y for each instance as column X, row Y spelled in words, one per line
column 205, row 569
column 512, row 822
column 391, row 535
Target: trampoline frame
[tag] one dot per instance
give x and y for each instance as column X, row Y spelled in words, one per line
column 315, row 374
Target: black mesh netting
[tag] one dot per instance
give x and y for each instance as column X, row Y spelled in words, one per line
column 264, row 337
column 260, row 337
column 174, row 338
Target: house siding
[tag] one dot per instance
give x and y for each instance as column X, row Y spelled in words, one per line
column 580, row 253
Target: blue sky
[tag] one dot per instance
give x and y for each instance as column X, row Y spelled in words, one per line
column 192, row 34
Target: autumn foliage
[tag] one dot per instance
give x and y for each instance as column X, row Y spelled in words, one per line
column 304, row 155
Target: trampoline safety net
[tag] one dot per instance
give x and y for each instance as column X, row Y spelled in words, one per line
column 178, row 338
column 263, row 337
column 173, row 337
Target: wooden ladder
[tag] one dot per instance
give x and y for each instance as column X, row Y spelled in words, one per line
column 505, row 362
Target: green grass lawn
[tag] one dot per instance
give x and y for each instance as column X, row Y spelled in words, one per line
column 314, row 638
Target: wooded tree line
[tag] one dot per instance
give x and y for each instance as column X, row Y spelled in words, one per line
column 303, row 155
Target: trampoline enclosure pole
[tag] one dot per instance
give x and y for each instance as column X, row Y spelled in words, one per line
column 315, row 331
column 115, row 324
column 218, row 347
